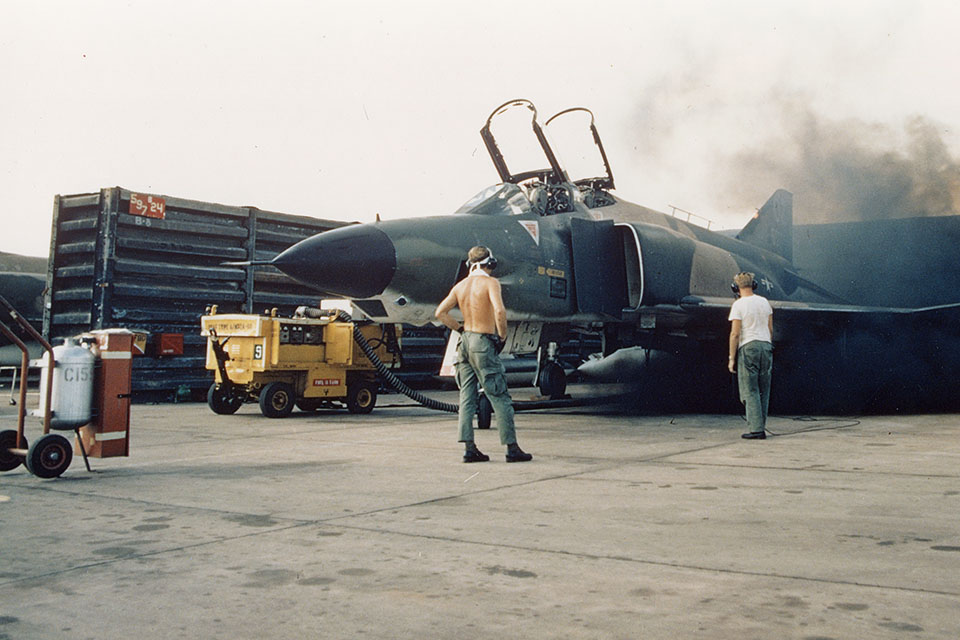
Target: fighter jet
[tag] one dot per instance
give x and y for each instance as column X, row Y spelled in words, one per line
column 573, row 258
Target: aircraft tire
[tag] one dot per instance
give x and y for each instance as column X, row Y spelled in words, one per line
column 484, row 412
column 276, row 400
column 49, row 456
column 553, row 381
column 8, row 440
column 221, row 401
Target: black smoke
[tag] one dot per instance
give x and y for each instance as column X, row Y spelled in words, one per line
column 849, row 170
column 875, row 212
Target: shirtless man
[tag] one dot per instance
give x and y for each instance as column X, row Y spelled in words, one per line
column 482, row 337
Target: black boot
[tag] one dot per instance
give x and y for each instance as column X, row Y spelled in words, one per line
column 472, row 454
column 516, row 454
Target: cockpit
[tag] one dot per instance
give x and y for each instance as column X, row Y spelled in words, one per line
column 545, row 191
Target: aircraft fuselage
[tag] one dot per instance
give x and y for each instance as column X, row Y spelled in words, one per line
column 552, row 268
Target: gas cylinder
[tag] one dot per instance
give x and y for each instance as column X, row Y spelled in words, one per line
column 71, row 397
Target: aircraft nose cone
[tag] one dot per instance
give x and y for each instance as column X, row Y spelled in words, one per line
column 356, row 261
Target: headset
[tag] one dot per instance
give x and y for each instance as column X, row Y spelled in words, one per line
column 753, row 282
column 490, row 262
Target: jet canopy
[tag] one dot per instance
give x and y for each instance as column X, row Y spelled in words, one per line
column 498, row 200
column 549, row 189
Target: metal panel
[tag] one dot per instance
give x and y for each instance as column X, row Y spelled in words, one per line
column 103, row 256
column 73, row 247
column 598, row 267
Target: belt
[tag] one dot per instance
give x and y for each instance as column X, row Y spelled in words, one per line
column 492, row 336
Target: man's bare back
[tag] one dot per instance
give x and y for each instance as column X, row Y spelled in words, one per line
column 480, row 301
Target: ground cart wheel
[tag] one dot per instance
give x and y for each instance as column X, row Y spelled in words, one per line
column 361, row 396
column 553, row 381
column 49, row 456
column 277, row 400
column 223, row 400
column 484, row 412
column 8, row 440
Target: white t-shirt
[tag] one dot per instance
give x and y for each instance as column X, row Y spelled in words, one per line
column 753, row 313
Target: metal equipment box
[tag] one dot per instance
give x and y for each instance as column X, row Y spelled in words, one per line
column 282, row 362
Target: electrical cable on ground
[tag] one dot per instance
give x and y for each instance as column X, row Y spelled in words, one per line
column 851, row 422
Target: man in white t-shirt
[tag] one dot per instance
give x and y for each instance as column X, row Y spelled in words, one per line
column 751, row 350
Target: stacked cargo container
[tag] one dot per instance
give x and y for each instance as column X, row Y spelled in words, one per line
column 153, row 264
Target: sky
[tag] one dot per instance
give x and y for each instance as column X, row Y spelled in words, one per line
column 345, row 110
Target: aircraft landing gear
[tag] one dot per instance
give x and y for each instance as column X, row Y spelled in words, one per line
column 484, row 412
column 551, row 379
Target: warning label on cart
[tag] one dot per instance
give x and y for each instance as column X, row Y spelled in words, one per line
column 233, row 325
column 326, row 382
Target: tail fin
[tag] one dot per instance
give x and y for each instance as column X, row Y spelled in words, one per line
column 772, row 227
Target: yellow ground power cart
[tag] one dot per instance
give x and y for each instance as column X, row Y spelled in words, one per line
column 310, row 362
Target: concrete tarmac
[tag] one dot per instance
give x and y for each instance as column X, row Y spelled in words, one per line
column 332, row 525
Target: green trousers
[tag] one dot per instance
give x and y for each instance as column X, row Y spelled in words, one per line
column 754, row 366
column 479, row 364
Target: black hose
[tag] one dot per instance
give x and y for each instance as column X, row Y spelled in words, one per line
column 388, row 375
column 430, row 403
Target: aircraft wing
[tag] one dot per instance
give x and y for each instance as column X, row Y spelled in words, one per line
column 795, row 320
column 693, row 304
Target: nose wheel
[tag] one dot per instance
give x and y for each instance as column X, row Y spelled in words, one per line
column 484, row 412
column 553, row 381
